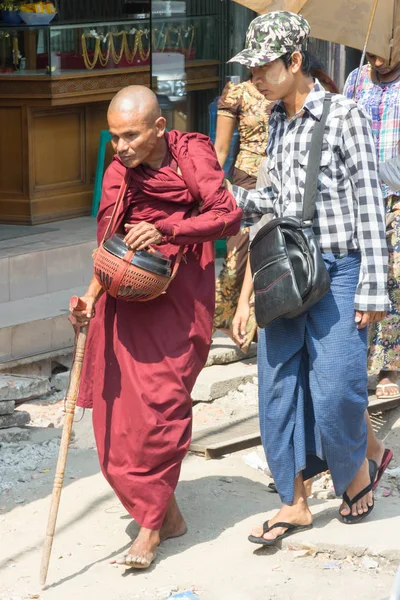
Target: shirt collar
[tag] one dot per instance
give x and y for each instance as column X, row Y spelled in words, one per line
column 313, row 104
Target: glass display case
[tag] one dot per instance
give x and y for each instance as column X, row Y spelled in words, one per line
column 57, row 49
column 57, row 80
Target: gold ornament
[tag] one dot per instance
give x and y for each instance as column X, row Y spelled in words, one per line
column 90, row 65
column 144, row 55
column 180, row 43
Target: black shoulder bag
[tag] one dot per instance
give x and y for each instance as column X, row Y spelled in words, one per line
column 289, row 273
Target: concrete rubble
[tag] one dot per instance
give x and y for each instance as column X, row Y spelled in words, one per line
column 16, row 389
column 19, row 387
column 19, row 460
column 223, row 351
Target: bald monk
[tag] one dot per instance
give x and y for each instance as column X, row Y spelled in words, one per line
column 142, row 359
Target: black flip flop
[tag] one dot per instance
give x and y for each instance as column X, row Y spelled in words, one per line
column 291, row 529
column 351, row 519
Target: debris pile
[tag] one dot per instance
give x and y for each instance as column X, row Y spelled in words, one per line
column 22, row 461
column 15, row 389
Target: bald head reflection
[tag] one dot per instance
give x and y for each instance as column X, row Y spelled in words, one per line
column 136, row 100
column 136, row 125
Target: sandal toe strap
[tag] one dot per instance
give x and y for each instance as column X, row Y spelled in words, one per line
column 358, row 497
column 267, row 528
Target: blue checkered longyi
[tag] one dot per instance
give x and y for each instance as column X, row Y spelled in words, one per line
column 313, row 387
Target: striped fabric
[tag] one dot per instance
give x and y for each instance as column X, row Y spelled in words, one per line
column 382, row 103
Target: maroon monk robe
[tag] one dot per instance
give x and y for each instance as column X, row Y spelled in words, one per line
column 142, row 358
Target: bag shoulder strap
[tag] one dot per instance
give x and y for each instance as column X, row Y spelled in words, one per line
column 314, row 164
column 113, row 222
column 117, row 205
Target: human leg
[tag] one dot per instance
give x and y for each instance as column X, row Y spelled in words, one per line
column 281, row 401
column 384, row 354
column 375, row 447
column 298, row 514
column 141, row 443
column 281, row 371
column 144, row 549
column 338, row 383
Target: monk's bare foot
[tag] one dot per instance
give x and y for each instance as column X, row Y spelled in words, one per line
column 143, row 550
column 387, row 384
column 298, row 514
column 174, row 524
column 360, row 481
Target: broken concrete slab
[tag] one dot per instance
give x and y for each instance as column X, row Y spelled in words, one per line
column 21, row 388
column 37, row 368
column 374, row 535
column 40, row 435
column 61, row 381
column 17, row 419
column 216, row 381
column 7, row 407
column 14, row 435
column 224, row 351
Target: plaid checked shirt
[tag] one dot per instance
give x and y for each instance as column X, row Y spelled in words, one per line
column 350, row 214
column 382, row 104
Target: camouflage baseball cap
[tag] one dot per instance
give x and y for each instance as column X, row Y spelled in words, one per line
column 271, row 36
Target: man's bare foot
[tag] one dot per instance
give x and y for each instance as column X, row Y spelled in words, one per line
column 298, row 514
column 174, row 524
column 360, row 481
column 387, row 385
column 143, row 550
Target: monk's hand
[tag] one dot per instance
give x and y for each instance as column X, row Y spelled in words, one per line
column 141, row 236
column 364, row 318
column 82, row 317
column 239, row 323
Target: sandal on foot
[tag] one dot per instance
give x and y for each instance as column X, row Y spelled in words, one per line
column 291, row 528
column 382, row 386
column 387, row 457
column 351, row 519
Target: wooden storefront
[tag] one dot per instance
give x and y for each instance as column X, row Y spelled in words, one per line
column 50, row 121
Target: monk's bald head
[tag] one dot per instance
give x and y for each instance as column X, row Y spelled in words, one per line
column 136, row 126
column 137, row 101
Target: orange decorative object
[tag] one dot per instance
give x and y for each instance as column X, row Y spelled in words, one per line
column 126, row 281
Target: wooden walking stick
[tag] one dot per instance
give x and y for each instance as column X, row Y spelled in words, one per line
column 70, row 402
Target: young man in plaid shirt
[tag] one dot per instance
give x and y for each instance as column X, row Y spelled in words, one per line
column 313, row 369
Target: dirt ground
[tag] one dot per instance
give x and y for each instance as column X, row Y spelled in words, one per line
column 221, row 500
